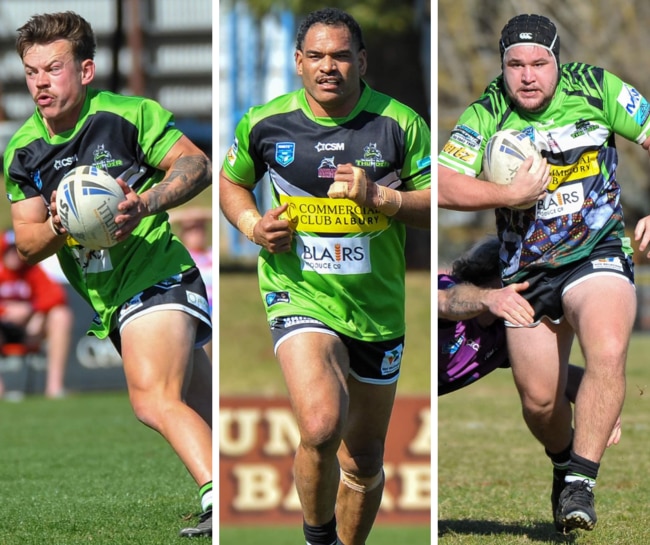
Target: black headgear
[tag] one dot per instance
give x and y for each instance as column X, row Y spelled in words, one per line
column 530, row 29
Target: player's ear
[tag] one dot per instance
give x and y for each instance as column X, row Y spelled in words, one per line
column 363, row 62
column 298, row 58
column 87, row 71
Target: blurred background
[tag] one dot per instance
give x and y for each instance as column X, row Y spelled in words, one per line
column 607, row 33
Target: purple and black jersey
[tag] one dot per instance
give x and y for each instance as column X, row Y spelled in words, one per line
column 467, row 351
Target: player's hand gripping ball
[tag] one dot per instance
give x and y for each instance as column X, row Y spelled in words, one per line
column 504, row 154
column 86, row 202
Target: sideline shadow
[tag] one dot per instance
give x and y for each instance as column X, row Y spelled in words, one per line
column 539, row 531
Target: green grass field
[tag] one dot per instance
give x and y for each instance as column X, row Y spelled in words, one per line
column 494, row 480
column 248, row 365
column 82, row 470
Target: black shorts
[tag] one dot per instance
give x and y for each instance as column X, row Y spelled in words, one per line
column 370, row 362
column 185, row 291
column 547, row 287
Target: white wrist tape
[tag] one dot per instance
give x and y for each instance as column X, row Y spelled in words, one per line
column 356, row 192
column 390, row 200
column 246, row 222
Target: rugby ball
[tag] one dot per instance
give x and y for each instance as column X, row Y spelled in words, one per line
column 504, row 154
column 86, row 201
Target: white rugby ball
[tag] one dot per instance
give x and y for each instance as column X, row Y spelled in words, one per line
column 504, row 154
column 86, row 201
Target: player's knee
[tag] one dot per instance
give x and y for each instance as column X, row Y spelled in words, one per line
column 360, row 483
column 321, row 432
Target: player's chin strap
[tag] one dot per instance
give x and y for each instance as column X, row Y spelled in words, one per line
column 362, row 484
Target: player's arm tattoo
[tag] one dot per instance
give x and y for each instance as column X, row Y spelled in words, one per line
column 461, row 302
column 187, row 177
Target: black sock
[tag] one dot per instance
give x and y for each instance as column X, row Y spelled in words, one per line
column 561, row 459
column 581, row 467
column 325, row 534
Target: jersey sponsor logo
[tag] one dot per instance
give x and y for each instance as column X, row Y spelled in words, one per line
column 334, row 255
column 467, row 136
column 372, row 157
column 459, row 152
column 584, row 167
column 66, row 162
column 634, row 104
column 231, row 156
column 38, row 181
column 327, row 168
column 285, row 153
column 330, row 146
column 275, row 297
column 392, row 360
column 568, row 199
column 611, row 263
column 323, row 215
column 424, row 162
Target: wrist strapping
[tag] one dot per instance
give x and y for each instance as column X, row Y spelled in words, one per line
column 247, row 221
column 390, row 200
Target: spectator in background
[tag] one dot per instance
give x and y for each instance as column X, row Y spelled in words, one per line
column 191, row 225
column 34, row 308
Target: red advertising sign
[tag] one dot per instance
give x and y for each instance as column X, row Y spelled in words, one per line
column 257, row 442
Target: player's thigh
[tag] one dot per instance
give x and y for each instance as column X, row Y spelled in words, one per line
column 157, row 349
column 369, row 415
column 602, row 310
column 539, row 359
column 315, row 366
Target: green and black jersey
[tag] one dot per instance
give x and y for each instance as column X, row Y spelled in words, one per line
column 127, row 137
column 576, row 134
column 347, row 264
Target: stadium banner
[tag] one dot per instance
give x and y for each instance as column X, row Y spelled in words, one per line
column 257, row 441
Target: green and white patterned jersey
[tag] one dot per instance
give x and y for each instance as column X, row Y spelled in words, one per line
column 347, row 265
column 127, row 137
column 576, row 134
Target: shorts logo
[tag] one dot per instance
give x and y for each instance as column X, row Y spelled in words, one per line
column 198, row 301
column 132, row 304
column 285, row 153
column 170, row 282
column 392, row 360
column 612, row 263
column 276, row 297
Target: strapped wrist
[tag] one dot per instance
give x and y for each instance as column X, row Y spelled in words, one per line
column 390, row 200
column 246, row 222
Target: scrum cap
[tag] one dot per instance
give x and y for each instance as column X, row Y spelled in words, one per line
column 530, row 29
